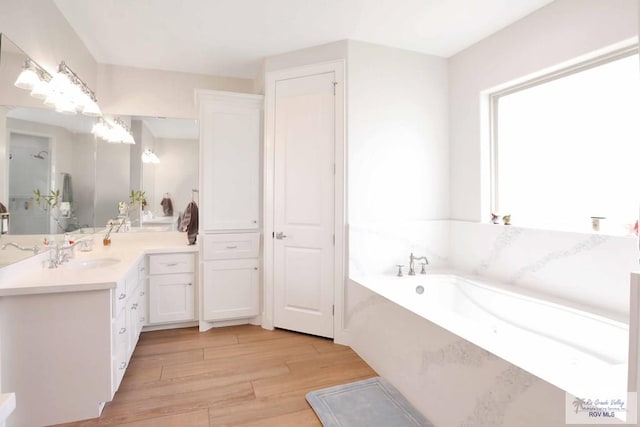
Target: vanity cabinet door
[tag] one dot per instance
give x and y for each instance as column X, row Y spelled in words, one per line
column 230, row 289
column 230, row 132
column 120, row 350
column 171, row 298
column 142, row 296
column 142, row 308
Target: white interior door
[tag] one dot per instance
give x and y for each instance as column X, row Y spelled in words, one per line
column 303, row 253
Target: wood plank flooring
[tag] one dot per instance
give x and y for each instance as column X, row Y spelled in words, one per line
column 235, row 376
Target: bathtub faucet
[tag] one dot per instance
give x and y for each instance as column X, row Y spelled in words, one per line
column 412, row 258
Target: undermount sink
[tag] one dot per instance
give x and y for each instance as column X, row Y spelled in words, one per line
column 85, row 264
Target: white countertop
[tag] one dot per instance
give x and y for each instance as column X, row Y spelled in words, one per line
column 32, row 277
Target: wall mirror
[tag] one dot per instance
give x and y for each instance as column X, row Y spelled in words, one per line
column 44, row 150
column 163, row 163
column 41, row 150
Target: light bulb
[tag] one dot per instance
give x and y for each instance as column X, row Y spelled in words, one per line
column 27, row 79
column 40, row 90
column 91, row 108
column 52, row 99
column 100, row 130
column 65, row 105
column 60, row 83
column 127, row 138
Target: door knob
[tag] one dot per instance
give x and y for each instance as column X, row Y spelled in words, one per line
column 280, row 235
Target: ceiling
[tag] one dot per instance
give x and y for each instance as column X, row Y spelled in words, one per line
column 232, row 37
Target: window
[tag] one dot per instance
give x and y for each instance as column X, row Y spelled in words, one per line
column 566, row 147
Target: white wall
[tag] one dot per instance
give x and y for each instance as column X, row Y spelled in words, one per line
column 4, row 157
column 556, row 34
column 397, row 135
column 38, row 28
column 147, row 140
column 135, row 160
column 313, row 55
column 177, row 172
column 84, row 177
column 112, row 180
column 143, row 92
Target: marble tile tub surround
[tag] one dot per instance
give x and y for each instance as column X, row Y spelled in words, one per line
column 377, row 247
column 592, row 269
column 451, row 381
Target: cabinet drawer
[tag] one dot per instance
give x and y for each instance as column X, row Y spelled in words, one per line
column 230, row 246
column 171, row 263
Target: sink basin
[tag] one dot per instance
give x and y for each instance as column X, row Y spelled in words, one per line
column 85, row 264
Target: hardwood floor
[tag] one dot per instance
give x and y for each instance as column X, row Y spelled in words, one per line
column 235, row 376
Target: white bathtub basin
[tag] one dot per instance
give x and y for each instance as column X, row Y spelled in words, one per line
column 575, row 349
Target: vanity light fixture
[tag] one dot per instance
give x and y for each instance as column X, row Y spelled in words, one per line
column 148, row 156
column 123, row 132
column 113, row 130
column 28, row 78
column 41, row 89
column 65, row 91
column 101, row 129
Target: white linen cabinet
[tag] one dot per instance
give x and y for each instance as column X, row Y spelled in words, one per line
column 230, row 129
column 230, row 171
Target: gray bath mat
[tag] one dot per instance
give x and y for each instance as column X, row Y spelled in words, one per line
column 367, row 403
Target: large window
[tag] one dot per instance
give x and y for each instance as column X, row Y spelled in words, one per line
column 566, row 147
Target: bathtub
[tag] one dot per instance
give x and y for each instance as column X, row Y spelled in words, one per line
column 574, row 348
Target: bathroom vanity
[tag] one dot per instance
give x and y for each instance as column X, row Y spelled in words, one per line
column 79, row 323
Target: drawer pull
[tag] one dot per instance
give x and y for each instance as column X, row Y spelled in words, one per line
column 171, row 264
column 122, row 296
column 190, row 284
column 123, row 365
column 232, row 247
column 255, row 268
column 122, row 331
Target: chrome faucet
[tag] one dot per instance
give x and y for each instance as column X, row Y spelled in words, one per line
column 35, row 249
column 412, row 258
column 61, row 254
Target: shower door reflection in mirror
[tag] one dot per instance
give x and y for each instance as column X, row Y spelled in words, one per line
column 29, row 168
column 53, row 155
